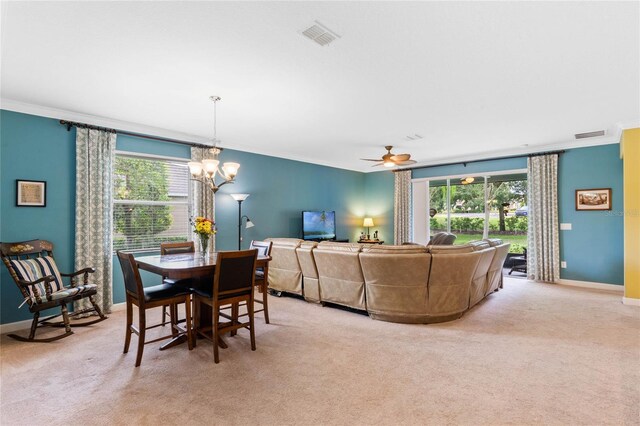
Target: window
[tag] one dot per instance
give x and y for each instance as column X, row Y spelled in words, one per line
column 151, row 199
column 473, row 207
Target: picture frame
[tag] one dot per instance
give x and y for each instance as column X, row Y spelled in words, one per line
column 31, row 193
column 593, row 199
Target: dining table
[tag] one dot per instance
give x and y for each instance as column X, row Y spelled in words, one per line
column 190, row 265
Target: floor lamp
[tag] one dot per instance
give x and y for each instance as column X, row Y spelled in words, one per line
column 240, row 198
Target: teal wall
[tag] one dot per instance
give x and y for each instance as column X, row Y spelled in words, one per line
column 35, row 148
column 594, row 248
column 378, row 190
column 40, row 148
column 279, row 191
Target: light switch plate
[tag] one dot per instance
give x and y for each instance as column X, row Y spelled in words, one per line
column 563, row 264
column 565, row 227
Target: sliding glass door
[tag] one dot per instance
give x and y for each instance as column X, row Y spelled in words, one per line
column 473, row 207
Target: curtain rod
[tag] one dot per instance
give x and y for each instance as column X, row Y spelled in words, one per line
column 71, row 124
column 464, row 163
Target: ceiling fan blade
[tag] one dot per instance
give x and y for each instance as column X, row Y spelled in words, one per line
column 405, row 163
column 376, row 165
column 400, row 157
column 371, row 159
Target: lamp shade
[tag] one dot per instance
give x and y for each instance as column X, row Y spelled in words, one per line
column 240, row 197
column 230, row 169
column 210, row 166
column 368, row 222
column 195, row 167
column 249, row 224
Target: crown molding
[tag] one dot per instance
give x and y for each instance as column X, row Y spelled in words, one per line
column 489, row 155
column 62, row 114
column 615, row 133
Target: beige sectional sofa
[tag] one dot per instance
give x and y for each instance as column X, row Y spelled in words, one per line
column 409, row 283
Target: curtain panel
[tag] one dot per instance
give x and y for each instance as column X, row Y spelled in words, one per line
column 203, row 198
column 402, row 207
column 543, row 256
column 95, row 154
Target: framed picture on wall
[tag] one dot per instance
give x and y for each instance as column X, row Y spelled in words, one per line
column 31, row 193
column 593, row 199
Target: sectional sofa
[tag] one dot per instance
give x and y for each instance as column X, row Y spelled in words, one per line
column 408, row 284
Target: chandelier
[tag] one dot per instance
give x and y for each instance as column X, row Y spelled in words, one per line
column 208, row 169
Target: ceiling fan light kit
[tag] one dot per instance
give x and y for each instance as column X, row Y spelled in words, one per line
column 391, row 160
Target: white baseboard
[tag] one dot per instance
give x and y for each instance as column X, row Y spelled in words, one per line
column 596, row 286
column 15, row 326
column 21, row 325
column 630, row 301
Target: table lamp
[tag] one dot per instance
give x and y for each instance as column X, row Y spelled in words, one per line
column 368, row 222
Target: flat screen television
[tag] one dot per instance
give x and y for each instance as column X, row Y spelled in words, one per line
column 318, row 225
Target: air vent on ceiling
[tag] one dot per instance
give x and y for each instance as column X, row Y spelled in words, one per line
column 320, row 34
column 590, row 134
column 414, row 137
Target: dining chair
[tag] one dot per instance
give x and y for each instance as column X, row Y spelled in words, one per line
column 147, row 298
column 175, row 248
column 262, row 276
column 261, row 282
column 233, row 283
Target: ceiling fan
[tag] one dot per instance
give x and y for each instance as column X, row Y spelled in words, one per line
column 392, row 160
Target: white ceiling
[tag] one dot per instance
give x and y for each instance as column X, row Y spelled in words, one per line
column 475, row 79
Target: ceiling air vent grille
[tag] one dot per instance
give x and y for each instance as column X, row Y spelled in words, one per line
column 320, row 34
column 590, row 134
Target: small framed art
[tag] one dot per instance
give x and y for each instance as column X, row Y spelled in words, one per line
column 593, row 199
column 31, row 193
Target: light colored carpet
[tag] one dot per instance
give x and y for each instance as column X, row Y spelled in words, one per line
column 529, row 354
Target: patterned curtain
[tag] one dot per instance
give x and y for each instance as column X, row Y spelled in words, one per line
column 95, row 153
column 543, row 255
column 203, row 199
column 402, row 207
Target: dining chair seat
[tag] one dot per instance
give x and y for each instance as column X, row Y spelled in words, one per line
column 209, row 294
column 163, row 291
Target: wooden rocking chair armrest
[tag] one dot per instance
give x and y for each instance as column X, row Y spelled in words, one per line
column 47, row 283
column 73, row 275
column 81, row 271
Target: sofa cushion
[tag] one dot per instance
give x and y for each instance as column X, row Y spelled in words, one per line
column 339, row 274
column 333, row 246
column 493, row 242
column 396, row 284
column 284, row 269
column 403, row 249
column 462, row 248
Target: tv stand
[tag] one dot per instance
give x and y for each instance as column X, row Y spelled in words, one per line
column 334, row 240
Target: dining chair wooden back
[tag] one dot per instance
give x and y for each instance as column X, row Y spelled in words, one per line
column 147, row 298
column 177, row 248
column 233, row 283
column 262, row 276
column 181, row 247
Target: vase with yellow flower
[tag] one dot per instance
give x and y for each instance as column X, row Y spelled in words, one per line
column 204, row 229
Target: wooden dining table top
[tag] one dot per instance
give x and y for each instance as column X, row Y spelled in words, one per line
column 185, row 265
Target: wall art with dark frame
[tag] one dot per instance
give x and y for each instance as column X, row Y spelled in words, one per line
column 31, row 193
column 593, row 199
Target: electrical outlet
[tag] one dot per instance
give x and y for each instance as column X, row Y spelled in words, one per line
column 565, row 227
column 563, row 264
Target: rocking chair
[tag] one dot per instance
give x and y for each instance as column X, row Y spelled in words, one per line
column 31, row 265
